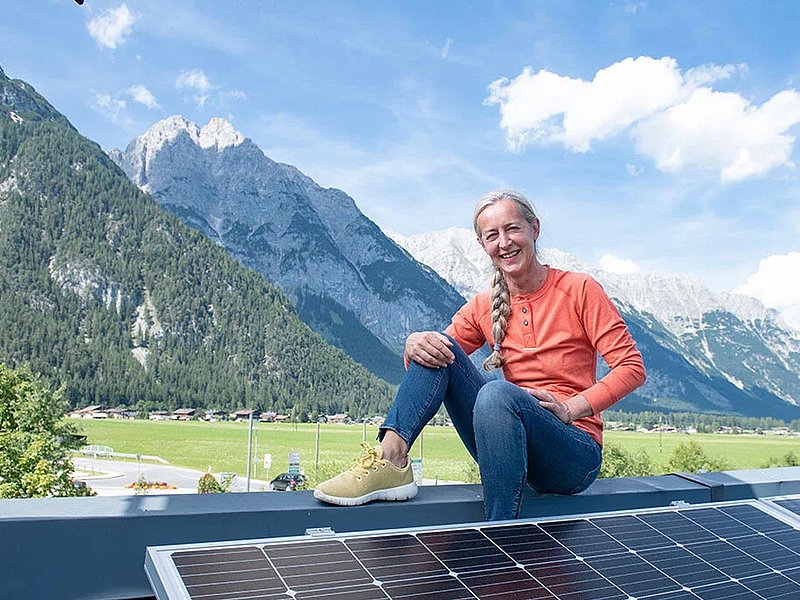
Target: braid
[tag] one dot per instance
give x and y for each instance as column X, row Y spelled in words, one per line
column 501, row 308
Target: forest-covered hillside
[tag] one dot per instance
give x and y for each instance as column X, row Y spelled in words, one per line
column 104, row 293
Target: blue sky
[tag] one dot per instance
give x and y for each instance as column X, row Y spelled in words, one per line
column 650, row 135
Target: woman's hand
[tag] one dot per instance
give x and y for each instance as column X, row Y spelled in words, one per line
column 567, row 411
column 429, row 349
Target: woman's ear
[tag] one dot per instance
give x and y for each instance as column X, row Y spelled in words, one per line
column 536, row 229
column 480, row 241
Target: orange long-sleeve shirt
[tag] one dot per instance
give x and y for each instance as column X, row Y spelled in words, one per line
column 552, row 340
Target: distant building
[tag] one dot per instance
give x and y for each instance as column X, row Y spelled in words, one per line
column 94, row 411
column 121, row 413
column 184, row 414
column 244, row 414
column 159, row 415
column 215, row 415
column 339, row 418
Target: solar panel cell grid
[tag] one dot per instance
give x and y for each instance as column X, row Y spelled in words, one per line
column 790, row 504
column 408, row 558
column 718, row 523
column 756, row 519
column 528, row 544
column 222, row 574
column 513, row 584
column 793, row 574
column 633, row 575
column 583, row 538
column 677, row 527
column 728, row 559
column 441, row 588
column 465, row 550
column 683, row 566
column 632, row 532
column 727, row 591
column 364, row 592
column 575, row 580
column 774, row 586
column 789, row 540
column 733, row 551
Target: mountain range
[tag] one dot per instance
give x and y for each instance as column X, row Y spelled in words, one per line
column 347, row 280
column 187, row 291
column 704, row 351
column 107, row 295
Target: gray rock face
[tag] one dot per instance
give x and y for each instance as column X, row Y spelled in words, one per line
column 348, row 280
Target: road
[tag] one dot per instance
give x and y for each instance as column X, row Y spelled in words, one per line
column 109, row 477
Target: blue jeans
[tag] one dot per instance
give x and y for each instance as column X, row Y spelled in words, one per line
column 511, row 437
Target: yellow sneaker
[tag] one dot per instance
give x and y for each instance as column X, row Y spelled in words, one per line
column 370, row 478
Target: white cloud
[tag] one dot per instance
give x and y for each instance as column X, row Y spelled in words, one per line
column 621, row 266
column 631, row 8
column 676, row 119
column 232, row 94
column 113, row 108
column 708, row 74
column 634, row 170
column 777, row 281
column 721, row 131
column 195, row 79
column 445, row 51
column 113, row 27
column 142, row 95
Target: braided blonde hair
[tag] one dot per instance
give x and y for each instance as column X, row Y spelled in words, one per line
column 501, row 297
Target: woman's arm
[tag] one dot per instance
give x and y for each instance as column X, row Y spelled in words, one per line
column 609, row 334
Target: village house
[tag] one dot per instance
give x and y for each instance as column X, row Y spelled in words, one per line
column 339, row 418
column 244, row 414
column 213, row 415
column 93, row 411
column 122, row 413
column 184, row 414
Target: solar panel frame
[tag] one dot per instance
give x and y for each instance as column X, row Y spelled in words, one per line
column 167, row 583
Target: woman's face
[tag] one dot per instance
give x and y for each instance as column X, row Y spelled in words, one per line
column 508, row 239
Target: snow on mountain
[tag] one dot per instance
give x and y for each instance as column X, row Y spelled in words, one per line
column 672, row 297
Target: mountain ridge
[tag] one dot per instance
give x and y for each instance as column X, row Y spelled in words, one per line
column 341, row 272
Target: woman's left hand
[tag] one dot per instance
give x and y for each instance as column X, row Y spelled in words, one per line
column 566, row 411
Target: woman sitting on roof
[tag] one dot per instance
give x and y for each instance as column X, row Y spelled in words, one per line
column 540, row 423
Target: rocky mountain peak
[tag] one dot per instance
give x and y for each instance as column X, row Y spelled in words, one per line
column 217, row 133
column 220, row 134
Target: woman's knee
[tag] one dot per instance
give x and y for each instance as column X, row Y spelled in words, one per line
column 495, row 395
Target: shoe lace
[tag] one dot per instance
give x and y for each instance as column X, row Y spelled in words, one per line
column 368, row 461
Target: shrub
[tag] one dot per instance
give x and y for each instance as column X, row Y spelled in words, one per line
column 790, row 459
column 619, row 462
column 35, row 440
column 690, row 457
column 208, row 484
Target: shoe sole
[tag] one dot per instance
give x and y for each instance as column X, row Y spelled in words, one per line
column 403, row 492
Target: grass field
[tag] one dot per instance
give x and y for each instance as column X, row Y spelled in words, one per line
column 223, row 446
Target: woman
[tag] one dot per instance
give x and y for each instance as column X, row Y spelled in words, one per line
column 541, row 422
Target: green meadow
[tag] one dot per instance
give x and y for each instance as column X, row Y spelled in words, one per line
column 223, row 446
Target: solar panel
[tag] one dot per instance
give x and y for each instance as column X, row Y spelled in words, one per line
column 790, row 504
column 735, row 550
